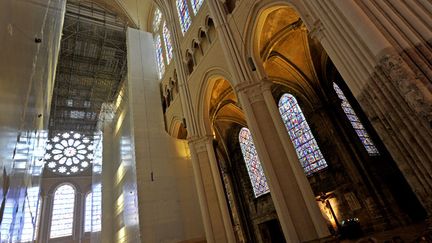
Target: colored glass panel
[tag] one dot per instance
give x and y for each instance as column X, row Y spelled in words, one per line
column 157, row 17
column 356, row 123
column 253, row 164
column 63, row 212
column 307, row 149
column 184, row 17
column 159, row 55
column 168, row 44
column 196, row 5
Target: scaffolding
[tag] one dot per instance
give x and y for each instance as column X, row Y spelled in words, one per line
column 91, row 68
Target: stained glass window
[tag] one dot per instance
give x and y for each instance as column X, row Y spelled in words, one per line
column 168, row 44
column 93, row 210
column 32, row 209
column 196, row 5
column 307, row 149
column 159, row 55
column 69, row 153
column 63, row 212
column 184, row 17
column 355, row 122
column 157, row 17
column 253, row 164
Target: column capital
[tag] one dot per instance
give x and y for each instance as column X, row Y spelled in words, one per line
column 200, row 143
column 317, row 30
column 254, row 91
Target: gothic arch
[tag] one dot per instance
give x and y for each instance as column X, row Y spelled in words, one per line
column 55, row 186
column 256, row 18
column 205, row 90
column 176, row 128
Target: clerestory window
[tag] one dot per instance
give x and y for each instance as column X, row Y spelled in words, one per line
column 183, row 14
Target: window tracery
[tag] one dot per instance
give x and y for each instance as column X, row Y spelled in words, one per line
column 69, row 153
column 304, row 142
column 183, row 14
column 196, row 5
column 356, row 123
column 253, row 163
column 63, row 212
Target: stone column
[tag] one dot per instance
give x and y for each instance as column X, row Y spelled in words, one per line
column 214, row 208
column 108, row 187
column 292, row 196
column 78, row 221
column 45, row 216
column 380, row 49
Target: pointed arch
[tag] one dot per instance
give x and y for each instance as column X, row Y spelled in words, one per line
column 208, row 81
column 304, row 142
column 253, row 163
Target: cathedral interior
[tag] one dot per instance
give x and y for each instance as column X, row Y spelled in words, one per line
column 191, row 121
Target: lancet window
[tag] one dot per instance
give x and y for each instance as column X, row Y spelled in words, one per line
column 304, row 142
column 183, row 14
column 253, row 163
column 159, row 55
column 63, row 212
column 356, row 123
column 168, row 44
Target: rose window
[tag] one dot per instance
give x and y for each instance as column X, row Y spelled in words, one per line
column 69, row 153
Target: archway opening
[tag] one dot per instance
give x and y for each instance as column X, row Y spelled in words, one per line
column 298, row 66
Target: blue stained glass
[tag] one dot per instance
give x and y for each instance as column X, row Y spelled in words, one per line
column 355, row 122
column 304, row 142
column 253, row 164
column 168, row 44
column 184, row 17
column 159, row 55
column 196, row 5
